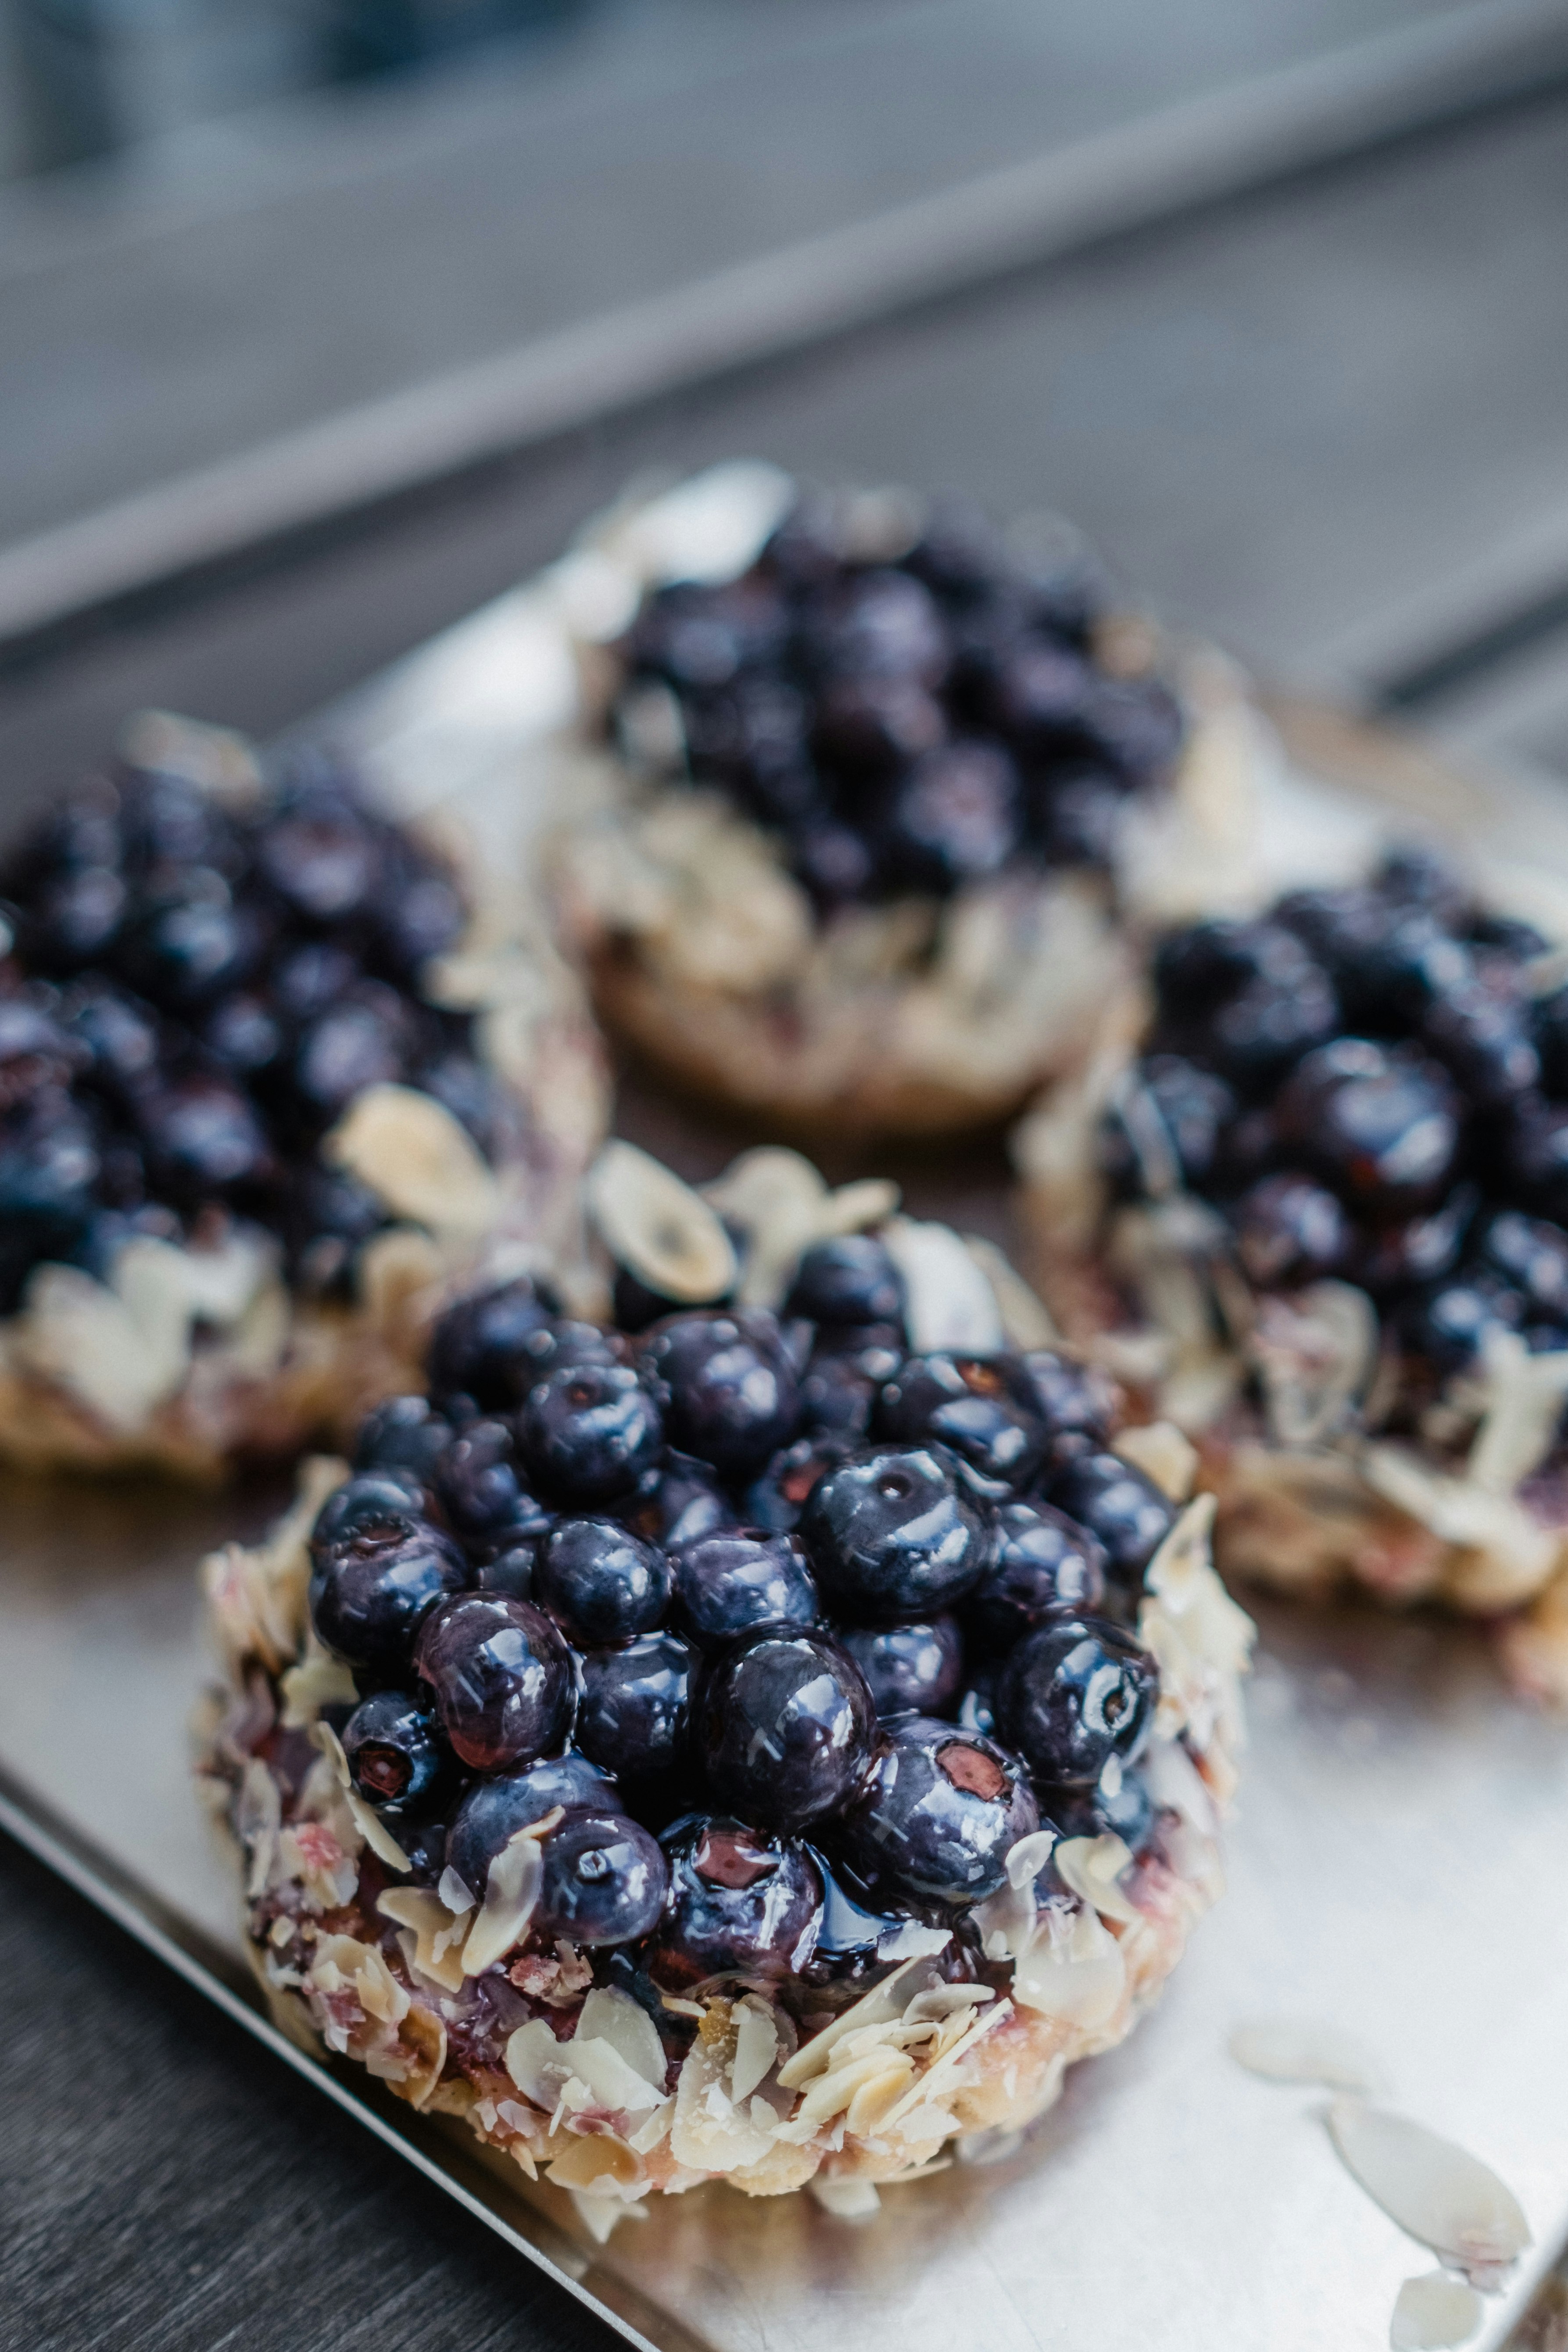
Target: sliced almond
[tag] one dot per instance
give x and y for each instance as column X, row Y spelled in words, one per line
column 1434, row 2313
column 1441, row 2194
column 1304, row 2050
column 658, row 1228
column 512, row 1890
column 414, row 1156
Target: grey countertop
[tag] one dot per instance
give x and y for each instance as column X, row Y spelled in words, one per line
column 1287, row 422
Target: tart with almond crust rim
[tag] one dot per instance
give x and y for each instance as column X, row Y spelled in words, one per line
column 867, row 791
column 1317, row 1214
column 766, row 1737
column 274, row 1078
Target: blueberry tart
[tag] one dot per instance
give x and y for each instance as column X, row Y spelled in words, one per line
column 1318, row 1215
column 764, row 1737
column 878, row 784
column 267, row 1085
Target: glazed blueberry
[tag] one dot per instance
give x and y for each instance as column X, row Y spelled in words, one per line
column 1380, row 1124
column 1071, row 1399
column 362, row 1040
column 499, row 1677
column 1529, row 1254
column 891, row 1538
column 730, row 1584
column 1387, row 1260
column 372, row 1591
column 385, row 1501
column 201, row 1135
column 326, row 1215
column 1073, row 1695
column 871, row 727
column 588, row 1432
column 510, row 1573
column 394, row 1756
column 1197, row 969
column 739, row 1905
column 1482, row 1040
column 244, row 1033
column 728, row 1388
column 1042, row 1565
column 681, row 1502
column 909, row 1669
column 937, row 1813
column 1290, row 1230
column 852, row 1279
column 477, row 1345
column 976, row 1709
column 189, row 943
column 1127, row 1812
column 1124, row 1511
column 404, row 1432
column 1398, row 971
column 605, row 1879
column 1448, row 1325
column 776, row 1499
column 980, row 1407
column 321, row 855
column 1164, row 1127
column 632, row 1714
column 486, row 1503
column 118, row 1033
column 1535, row 1158
column 954, row 818
column 1414, row 876
column 783, row 1726
column 1284, row 1009
column 600, row 1583
column 838, row 1395
column 493, row 1810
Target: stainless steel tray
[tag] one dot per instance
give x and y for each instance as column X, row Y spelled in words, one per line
column 1396, row 1867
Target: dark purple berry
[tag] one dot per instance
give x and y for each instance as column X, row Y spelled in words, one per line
column 632, row 1714
column 728, row 1387
column 776, row 1499
column 372, row 1591
column 730, row 1584
column 394, row 1756
column 937, row 1814
column 1529, row 1254
column 909, row 1669
column 739, row 1905
column 1124, row 1511
column 1290, row 1230
column 980, row 1407
column 783, row 1726
column 891, row 1538
column 1448, row 1325
column 1381, row 1126
column 487, row 1504
column 600, row 1583
column 495, row 1809
column 1127, row 1814
column 404, row 1432
column 321, row 857
column 1482, row 1040
column 1164, row 1127
column 201, row 1137
column 852, row 1279
column 604, row 1882
column 588, row 1432
column 1069, row 1397
column 500, row 1679
column 477, row 1346
column 954, row 818
column 1042, row 1565
column 681, row 1502
column 385, row 1499
column 1073, row 1695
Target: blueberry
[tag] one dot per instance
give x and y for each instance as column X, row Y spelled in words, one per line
column 832, row 861
column 976, row 1709
column 980, row 1407
column 1381, row 1126
column 1197, row 969
column 189, row 943
column 1387, row 1259
column 866, row 728
column 326, row 1215
column 1414, row 876
column 509, row 1571
column 1448, row 1325
column 776, row 1499
column 475, row 1098
column 500, row 1679
column 362, row 1040
column 1536, row 1157
column 600, row 1583
column 937, row 1814
column 1127, row 1814
column 1290, row 1229
column 73, row 919
column 1036, row 696
column 309, row 979
column 728, row 1387
column 909, row 1669
column 50, row 1162
column 1124, row 1511
column 243, row 1033
column 1550, row 1037
column 1529, row 1254
column 880, row 624
column 404, row 1432
column 891, row 1538
column 486, row 1503
column 637, row 1308
column 395, row 1759
column 1080, row 817
column 493, row 1810
column 852, row 1279
column 1269, row 1025
column 588, row 1432
column 118, row 1033
column 321, row 855
column 1482, row 1039
column 423, row 917
column 632, row 1718
column 476, row 1347
column 1071, row 1696
column 202, row 1137
column 1069, row 1396
column 681, row 1502
column 384, row 1501
column 605, row 1879
column 953, row 818
column 373, row 1589
column 1165, row 1125
column 167, row 823
column 1135, row 723
column 838, row 1394
column 1042, row 1565
column 739, row 1905
column 730, row 1584
column 783, row 1725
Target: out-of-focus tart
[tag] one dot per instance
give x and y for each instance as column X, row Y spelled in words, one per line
column 1317, row 1214
column 884, row 783
column 267, row 1087
column 768, row 1739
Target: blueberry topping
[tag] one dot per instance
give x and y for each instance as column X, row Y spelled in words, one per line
column 493, row 1810
column 372, row 1587
column 728, row 1388
column 600, row 1583
column 851, row 1280
column 909, row 1669
column 1380, row 1124
column 486, row 1503
column 632, row 1714
column 477, row 1346
column 1073, row 1695
column 1123, row 1510
column 937, row 1813
column 739, row 1905
column 730, row 1584
column 1043, row 1564
column 603, row 1879
column 394, row 1754
column 404, row 1432
column 784, row 1724
column 499, row 1677
column 588, row 1432
column 891, row 1538
column 1068, row 1396
column 980, row 1407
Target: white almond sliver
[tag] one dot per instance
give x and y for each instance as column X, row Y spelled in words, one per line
column 454, row 1893
column 847, row 2200
column 609, row 2015
column 1303, row 2050
column 416, row 1157
column 512, row 1890
column 1091, row 1868
column 1441, row 2194
column 756, row 2047
column 1434, row 2313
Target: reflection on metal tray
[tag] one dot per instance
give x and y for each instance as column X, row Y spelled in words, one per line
column 1395, row 1868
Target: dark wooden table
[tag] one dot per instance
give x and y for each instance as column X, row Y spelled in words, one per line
column 1314, row 423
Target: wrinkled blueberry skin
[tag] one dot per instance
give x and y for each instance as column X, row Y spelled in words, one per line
column 851, row 1281
column 891, row 1538
column 404, row 1432
column 979, row 1407
column 1071, row 1696
column 632, row 1715
column 477, row 1346
column 1043, row 1564
column 909, row 1669
column 727, row 1585
column 588, row 1432
column 937, row 1813
column 739, row 1905
column 494, row 1810
column 1123, row 1510
column 600, row 1583
column 783, row 1726
column 395, row 1756
column 372, row 1590
column 727, row 1386
column 605, row 1879
column 500, row 1679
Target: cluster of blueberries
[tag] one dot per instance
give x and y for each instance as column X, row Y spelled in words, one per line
column 190, row 998
column 1368, row 1083
column 801, row 1630
column 912, row 725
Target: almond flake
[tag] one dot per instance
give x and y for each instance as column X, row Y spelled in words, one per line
column 417, row 1159
column 612, row 2016
column 1090, row 1867
column 1302, row 2050
column 1434, row 2313
column 512, row 1890
column 850, row 2200
column 1439, row 2193
column 421, row 1910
